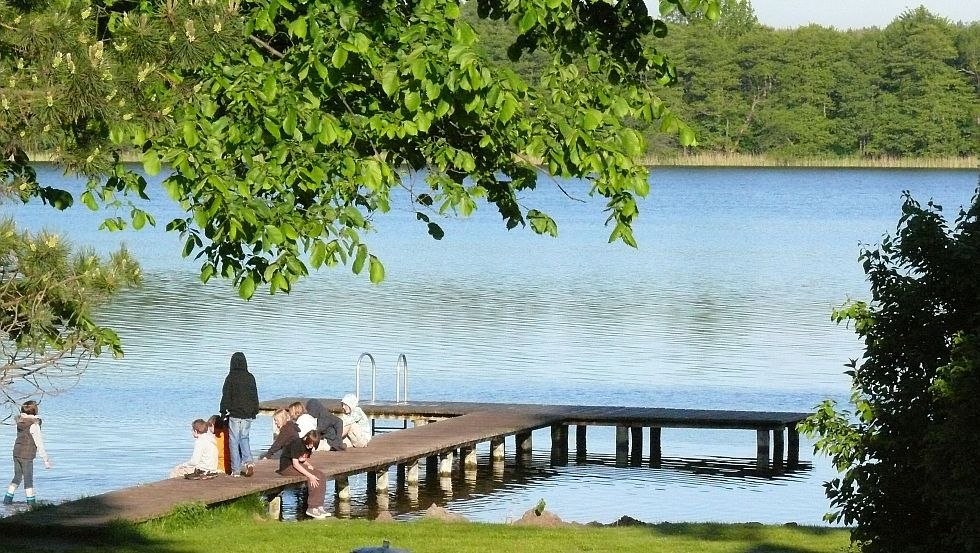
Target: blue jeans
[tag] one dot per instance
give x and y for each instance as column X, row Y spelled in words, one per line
column 241, row 454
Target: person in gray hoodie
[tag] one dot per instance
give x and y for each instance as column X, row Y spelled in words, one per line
column 240, row 403
column 27, row 446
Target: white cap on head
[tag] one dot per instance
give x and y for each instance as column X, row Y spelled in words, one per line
column 306, row 424
column 350, row 400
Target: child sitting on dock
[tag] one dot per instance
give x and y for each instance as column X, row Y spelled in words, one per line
column 295, row 461
column 27, row 446
column 285, row 432
column 203, row 463
column 357, row 426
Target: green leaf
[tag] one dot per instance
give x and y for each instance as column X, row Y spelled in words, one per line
column 151, row 162
column 413, row 100
column 377, row 270
column 319, row 254
column 246, row 288
column 139, row 219
column 273, row 234
column 339, row 57
column 298, row 28
column 528, row 21
column 89, row 200
column 190, row 134
column 686, row 136
column 390, row 80
column 358, row 265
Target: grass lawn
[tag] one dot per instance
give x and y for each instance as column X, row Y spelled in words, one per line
column 242, row 527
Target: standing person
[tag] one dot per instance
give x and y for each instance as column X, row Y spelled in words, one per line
column 28, row 445
column 357, row 425
column 240, row 403
column 295, row 461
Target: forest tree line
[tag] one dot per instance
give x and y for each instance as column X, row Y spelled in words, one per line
column 911, row 89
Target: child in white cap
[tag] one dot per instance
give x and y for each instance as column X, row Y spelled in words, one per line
column 357, row 426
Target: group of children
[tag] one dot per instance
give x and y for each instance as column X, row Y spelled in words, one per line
column 299, row 431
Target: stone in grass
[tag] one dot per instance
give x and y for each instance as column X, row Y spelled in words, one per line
column 539, row 516
column 385, row 547
column 435, row 512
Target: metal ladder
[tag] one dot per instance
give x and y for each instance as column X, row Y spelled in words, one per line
column 401, row 386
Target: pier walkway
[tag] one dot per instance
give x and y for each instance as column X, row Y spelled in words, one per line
column 442, row 431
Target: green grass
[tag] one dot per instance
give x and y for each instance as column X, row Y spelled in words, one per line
column 241, row 527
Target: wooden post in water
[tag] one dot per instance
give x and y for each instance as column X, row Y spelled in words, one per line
column 469, row 458
column 372, row 482
column 400, row 476
column 496, row 450
column 581, row 433
column 412, row 475
column 523, row 448
column 342, row 487
column 762, row 449
column 446, row 464
column 432, row 464
column 793, row 455
column 777, row 447
column 636, row 445
column 622, row 445
column 559, row 444
column 381, row 486
column 655, row 452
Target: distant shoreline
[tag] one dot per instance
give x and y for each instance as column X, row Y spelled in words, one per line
column 714, row 159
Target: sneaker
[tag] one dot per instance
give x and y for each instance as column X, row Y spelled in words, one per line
column 317, row 513
column 196, row 475
column 249, row 470
column 236, row 475
column 208, row 475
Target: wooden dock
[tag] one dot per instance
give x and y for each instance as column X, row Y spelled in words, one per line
column 442, row 431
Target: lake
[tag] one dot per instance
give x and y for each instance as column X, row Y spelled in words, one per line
column 725, row 304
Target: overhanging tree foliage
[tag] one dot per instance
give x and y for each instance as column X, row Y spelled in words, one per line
column 285, row 144
column 47, row 334
column 908, row 453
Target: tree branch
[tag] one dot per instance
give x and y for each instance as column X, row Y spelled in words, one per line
column 266, row 46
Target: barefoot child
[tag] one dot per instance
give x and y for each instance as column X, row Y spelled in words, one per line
column 28, row 445
column 295, row 461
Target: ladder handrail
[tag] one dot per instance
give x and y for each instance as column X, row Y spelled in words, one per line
column 401, row 377
column 357, row 375
column 401, row 369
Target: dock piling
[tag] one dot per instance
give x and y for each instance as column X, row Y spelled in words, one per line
column 581, row 433
column 622, row 445
column 762, row 449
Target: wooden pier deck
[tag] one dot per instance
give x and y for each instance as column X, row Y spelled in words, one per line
column 442, row 429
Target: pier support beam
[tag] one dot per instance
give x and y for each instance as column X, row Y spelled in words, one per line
column 793, row 454
column 778, row 450
column 431, row 464
column 559, row 444
column 636, row 445
column 412, row 474
column 523, row 448
column 468, row 455
column 655, row 453
column 622, row 445
column 762, row 449
column 381, row 486
column 342, row 488
column 446, row 464
column 496, row 450
column 581, row 437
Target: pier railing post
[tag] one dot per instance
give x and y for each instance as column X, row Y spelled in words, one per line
column 622, row 445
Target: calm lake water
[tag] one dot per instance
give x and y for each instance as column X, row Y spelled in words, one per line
column 725, row 305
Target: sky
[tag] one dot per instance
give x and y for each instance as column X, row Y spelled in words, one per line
column 852, row 14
